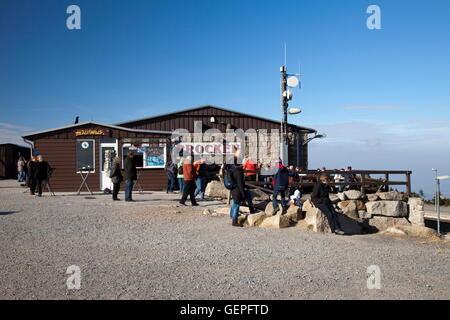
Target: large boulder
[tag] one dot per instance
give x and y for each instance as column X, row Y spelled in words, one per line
column 351, row 207
column 261, row 205
column 392, row 196
column 316, row 221
column 419, row 231
column 269, row 209
column 307, row 205
column 254, row 220
column 383, row 223
column 353, row 194
column 259, row 195
column 341, row 196
column 334, row 198
column 372, row 197
column 416, row 211
column 294, row 213
column 277, row 221
column 216, row 189
column 387, row 208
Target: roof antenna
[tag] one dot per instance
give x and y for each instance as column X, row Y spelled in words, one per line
column 77, row 119
column 285, row 54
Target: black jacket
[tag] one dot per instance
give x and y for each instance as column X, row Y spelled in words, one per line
column 31, row 166
column 130, row 169
column 238, row 192
column 115, row 174
column 281, row 179
column 41, row 170
column 321, row 194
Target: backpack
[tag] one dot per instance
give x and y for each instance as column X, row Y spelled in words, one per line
column 228, row 180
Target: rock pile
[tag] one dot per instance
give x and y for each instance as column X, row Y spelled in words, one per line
column 391, row 212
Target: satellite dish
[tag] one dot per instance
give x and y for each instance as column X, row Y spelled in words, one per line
column 294, row 110
column 293, row 82
column 287, row 94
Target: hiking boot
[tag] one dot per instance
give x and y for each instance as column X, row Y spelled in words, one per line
column 195, row 204
column 339, row 232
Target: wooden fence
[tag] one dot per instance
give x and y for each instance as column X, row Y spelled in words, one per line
column 362, row 179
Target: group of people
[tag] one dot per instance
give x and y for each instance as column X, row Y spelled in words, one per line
column 35, row 172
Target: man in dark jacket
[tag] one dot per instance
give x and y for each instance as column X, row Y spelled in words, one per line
column 130, row 174
column 239, row 193
column 320, row 198
column 280, row 186
column 41, row 174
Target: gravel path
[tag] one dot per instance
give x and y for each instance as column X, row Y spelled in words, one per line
column 152, row 249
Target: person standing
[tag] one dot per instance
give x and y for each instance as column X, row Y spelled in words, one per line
column 200, row 181
column 320, row 197
column 239, row 193
column 21, row 173
column 180, row 176
column 130, row 175
column 41, row 174
column 189, row 175
column 31, row 167
column 116, row 178
column 171, row 171
column 280, row 186
column 250, row 165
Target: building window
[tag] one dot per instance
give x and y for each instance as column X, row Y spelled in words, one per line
column 85, row 155
column 146, row 156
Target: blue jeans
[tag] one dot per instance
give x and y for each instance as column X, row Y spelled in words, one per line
column 181, row 184
column 128, row 189
column 200, row 182
column 234, row 212
column 170, row 182
column 21, row 176
column 275, row 201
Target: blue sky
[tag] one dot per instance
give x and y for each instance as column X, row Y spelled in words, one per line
column 382, row 96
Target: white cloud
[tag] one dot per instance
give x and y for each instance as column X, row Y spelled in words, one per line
column 11, row 133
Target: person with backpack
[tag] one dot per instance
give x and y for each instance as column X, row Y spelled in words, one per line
column 116, row 178
column 233, row 178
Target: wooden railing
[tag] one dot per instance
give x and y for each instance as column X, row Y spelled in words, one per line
column 363, row 181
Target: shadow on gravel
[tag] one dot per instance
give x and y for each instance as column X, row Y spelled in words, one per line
column 6, row 213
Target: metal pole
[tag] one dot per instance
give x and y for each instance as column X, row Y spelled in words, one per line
column 438, row 197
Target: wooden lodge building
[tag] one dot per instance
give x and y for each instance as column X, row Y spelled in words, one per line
column 90, row 146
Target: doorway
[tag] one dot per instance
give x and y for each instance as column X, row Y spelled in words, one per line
column 107, row 153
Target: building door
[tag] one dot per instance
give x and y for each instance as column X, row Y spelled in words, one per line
column 107, row 153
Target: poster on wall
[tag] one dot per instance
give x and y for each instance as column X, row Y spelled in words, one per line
column 146, row 156
column 85, row 155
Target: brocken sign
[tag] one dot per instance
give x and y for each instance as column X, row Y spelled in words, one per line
column 89, row 132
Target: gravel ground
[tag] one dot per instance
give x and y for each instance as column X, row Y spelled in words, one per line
column 153, row 249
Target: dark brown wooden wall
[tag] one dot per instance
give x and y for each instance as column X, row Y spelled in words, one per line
column 59, row 149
